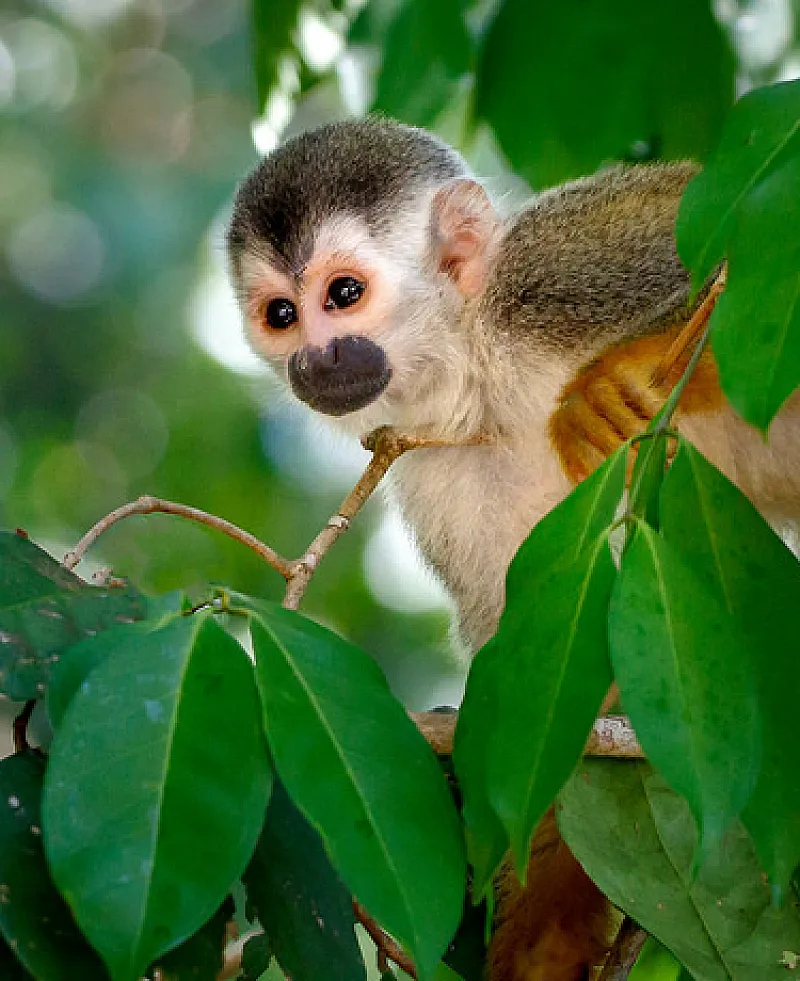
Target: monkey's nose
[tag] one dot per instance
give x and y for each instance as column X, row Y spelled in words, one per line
column 345, row 375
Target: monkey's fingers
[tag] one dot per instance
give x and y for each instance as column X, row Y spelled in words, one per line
column 615, row 396
column 606, row 404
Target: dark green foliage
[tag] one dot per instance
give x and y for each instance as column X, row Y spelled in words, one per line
column 678, row 655
column 427, row 55
column 300, row 901
column 757, row 579
column 200, row 958
column 327, row 709
column 256, row 957
column 34, row 919
column 275, row 24
column 146, row 851
column 466, row 955
column 602, row 80
column 744, row 208
column 44, row 609
column 637, row 839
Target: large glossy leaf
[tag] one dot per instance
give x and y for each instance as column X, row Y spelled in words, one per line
column 44, row 609
column 686, row 681
column 300, row 900
column 358, row 768
column 756, row 330
column 743, row 562
column 636, row 839
column 156, row 790
column 427, row 53
column 75, row 664
column 761, row 132
column 535, row 689
column 34, row 919
column 568, row 86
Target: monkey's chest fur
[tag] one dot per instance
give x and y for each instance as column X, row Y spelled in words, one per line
column 470, row 508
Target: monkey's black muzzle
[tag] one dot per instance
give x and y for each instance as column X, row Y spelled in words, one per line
column 345, row 376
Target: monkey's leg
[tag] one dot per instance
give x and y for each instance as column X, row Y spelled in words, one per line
column 558, row 927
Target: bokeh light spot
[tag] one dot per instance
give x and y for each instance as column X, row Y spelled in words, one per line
column 128, row 425
column 57, row 254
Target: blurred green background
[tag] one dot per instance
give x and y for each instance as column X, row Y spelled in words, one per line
column 124, row 127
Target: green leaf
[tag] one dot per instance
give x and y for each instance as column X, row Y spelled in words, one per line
column 594, row 78
column 34, row 919
column 44, row 609
column 256, row 957
column 655, row 963
column 359, row 770
column 427, row 53
column 299, row 899
column 201, row 957
column 636, row 839
column 140, row 830
column 535, row 689
column 274, row 26
column 738, row 556
column 78, row 661
column 756, row 329
column 761, row 132
column 684, row 673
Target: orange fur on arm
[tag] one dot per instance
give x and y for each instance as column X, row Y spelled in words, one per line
column 615, row 397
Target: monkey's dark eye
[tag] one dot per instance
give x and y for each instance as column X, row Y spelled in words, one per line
column 280, row 314
column 344, row 292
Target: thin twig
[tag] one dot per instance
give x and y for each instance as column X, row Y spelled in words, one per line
column 156, row 505
column 622, row 956
column 611, row 735
column 388, row 949
column 386, row 445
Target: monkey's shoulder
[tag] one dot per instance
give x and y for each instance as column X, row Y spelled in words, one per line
column 595, row 256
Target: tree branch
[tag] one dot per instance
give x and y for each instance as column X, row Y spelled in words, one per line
column 386, row 445
column 388, row 949
column 611, row 735
column 156, row 505
column 622, row 956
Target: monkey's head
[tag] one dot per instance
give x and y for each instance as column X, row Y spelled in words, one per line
column 355, row 250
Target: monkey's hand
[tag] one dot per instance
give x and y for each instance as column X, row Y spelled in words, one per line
column 616, row 395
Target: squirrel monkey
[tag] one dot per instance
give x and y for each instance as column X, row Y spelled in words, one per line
column 379, row 280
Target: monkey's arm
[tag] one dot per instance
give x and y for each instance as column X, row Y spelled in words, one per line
column 616, row 395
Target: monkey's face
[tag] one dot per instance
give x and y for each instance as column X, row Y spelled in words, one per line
column 345, row 328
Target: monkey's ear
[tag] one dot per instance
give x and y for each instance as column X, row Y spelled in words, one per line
column 464, row 229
